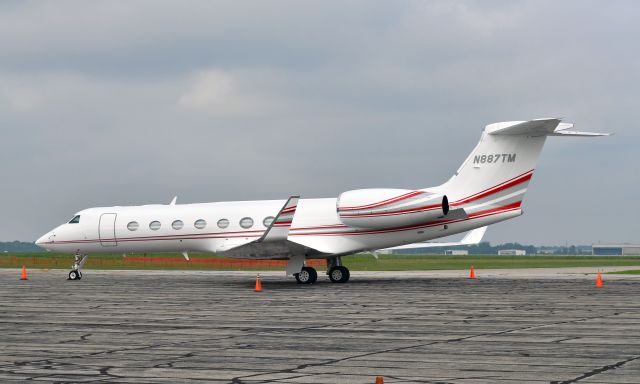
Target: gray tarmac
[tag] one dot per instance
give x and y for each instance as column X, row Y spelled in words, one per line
column 419, row 327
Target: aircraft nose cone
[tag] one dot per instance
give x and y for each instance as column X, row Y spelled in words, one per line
column 46, row 238
column 40, row 240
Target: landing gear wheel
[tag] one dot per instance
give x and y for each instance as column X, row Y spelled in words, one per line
column 307, row 275
column 339, row 274
column 74, row 275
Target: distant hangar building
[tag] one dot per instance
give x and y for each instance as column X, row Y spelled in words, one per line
column 616, row 249
column 512, row 252
column 456, row 252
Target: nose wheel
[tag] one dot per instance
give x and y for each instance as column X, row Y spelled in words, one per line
column 75, row 273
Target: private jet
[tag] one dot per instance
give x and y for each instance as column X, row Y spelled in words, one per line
column 488, row 188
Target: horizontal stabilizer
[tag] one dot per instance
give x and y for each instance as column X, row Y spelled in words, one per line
column 473, row 237
column 578, row 134
column 538, row 127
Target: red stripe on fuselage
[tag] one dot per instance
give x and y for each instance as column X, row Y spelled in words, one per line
column 500, row 187
column 383, row 202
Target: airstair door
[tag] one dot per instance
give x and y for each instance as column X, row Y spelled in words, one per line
column 107, row 229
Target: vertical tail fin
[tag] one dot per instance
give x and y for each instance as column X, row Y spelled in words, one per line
column 498, row 171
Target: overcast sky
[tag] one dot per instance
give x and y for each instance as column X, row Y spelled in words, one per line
column 133, row 102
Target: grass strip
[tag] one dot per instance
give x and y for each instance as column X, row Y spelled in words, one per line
column 628, row 272
column 172, row 261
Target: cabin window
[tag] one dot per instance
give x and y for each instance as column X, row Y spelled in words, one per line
column 75, row 220
column 133, row 226
column 177, row 224
column 267, row 221
column 154, row 225
column 200, row 224
column 246, row 222
column 223, row 223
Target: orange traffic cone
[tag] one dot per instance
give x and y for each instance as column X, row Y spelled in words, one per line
column 379, row 380
column 24, row 273
column 599, row 281
column 472, row 273
column 258, row 284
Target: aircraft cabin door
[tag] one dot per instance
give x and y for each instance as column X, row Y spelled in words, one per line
column 107, row 230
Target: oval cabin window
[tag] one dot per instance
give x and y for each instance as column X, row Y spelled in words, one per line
column 267, row 221
column 154, row 225
column 133, row 226
column 246, row 222
column 223, row 223
column 200, row 224
column 178, row 224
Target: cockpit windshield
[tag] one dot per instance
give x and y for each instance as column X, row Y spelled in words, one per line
column 75, row 220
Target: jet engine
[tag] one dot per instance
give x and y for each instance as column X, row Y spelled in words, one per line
column 386, row 208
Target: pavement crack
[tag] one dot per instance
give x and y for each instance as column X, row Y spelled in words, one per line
column 597, row 371
column 566, row 339
column 454, row 340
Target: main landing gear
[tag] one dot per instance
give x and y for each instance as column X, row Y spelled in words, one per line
column 336, row 271
column 339, row 274
column 75, row 273
column 307, row 275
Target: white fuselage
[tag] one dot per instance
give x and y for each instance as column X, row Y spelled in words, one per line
column 315, row 225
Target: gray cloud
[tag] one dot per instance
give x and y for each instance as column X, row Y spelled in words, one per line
column 114, row 103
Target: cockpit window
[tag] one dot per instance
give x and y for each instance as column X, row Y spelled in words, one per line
column 75, row 220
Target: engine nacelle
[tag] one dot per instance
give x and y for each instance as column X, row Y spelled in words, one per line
column 386, row 208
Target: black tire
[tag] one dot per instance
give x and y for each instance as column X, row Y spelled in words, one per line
column 307, row 275
column 312, row 274
column 73, row 275
column 347, row 274
column 339, row 275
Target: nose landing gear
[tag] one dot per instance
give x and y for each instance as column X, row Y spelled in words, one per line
column 75, row 273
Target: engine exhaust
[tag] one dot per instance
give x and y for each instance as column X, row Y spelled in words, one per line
column 445, row 205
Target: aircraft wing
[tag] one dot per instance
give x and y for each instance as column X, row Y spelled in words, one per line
column 273, row 243
column 471, row 238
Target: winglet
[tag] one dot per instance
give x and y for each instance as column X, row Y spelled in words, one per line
column 279, row 227
column 173, row 202
column 473, row 237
